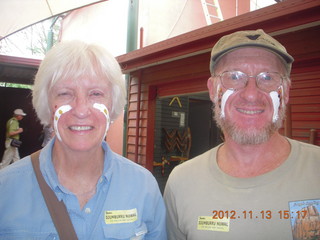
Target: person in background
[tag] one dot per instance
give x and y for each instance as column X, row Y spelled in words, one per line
column 13, row 130
column 257, row 184
column 79, row 89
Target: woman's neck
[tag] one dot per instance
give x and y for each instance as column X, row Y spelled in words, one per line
column 79, row 172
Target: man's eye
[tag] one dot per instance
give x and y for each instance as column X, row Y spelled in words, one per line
column 235, row 76
column 266, row 77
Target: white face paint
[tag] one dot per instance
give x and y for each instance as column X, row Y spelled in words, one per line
column 61, row 110
column 276, row 97
column 66, row 108
column 224, row 99
column 102, row 108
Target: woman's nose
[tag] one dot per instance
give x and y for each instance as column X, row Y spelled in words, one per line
column 81, row 107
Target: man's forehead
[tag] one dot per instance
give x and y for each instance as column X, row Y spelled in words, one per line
column 255, row 53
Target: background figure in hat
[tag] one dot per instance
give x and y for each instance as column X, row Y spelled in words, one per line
column 11, row 154
column 257, row 184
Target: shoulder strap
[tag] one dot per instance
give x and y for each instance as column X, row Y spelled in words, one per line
column 57, row 209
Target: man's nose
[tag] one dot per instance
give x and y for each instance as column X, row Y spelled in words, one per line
column 251, row 90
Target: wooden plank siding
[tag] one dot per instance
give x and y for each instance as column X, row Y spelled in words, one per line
column 305, row 88
column 179, row 77
column 137, row 124
column 305, row 105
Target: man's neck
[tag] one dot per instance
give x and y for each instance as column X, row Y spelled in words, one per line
column 246, row 161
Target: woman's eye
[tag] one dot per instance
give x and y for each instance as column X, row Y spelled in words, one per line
column 64, row 94
column 96, row 94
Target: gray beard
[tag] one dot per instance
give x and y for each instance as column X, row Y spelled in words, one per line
column 252, row 135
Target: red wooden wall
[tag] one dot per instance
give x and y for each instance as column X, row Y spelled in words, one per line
column 304, row 109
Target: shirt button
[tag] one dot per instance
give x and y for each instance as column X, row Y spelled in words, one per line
column 87, row 210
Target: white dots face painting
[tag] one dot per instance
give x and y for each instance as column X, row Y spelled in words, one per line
column 60, row 111
column 102, row 108
column 66, row 108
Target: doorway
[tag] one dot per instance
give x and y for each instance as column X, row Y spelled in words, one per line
column 205, row 133
column 178, row 113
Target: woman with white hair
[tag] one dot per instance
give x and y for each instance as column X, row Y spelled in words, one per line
column 79, row 90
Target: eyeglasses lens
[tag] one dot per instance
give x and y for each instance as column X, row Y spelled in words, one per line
column 237, row 80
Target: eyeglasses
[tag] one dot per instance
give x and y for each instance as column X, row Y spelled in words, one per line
column 236, row 80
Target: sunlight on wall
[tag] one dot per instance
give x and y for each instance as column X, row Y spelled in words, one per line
column 256, row 4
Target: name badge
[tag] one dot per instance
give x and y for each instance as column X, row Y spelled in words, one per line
column 120, row 216
column 207, row 223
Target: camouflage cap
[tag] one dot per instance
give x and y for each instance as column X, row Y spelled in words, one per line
column 252, row 38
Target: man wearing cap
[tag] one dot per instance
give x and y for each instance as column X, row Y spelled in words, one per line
column 257, row 184
column 11, row 154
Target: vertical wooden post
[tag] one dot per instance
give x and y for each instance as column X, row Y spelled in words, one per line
column 312, row 138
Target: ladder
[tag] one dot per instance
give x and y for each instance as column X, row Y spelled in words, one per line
column 212, row 11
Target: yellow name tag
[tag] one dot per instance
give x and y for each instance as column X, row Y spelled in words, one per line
column 207, row 223
column 120, row 216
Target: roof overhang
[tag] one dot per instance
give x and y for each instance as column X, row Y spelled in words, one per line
column 17, row 69
column 277, row 19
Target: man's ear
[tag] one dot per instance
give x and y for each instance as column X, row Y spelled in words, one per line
column 211, row 88
column 286, row 94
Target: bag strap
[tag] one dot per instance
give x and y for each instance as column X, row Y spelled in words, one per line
column 57, row 209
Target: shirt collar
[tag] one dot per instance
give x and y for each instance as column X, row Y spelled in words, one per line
column 109, row 158
column 49, row 172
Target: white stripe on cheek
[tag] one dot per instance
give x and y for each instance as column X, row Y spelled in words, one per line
column 275, row 97
column 224, row 99
column 102, row 108
column 58, row 113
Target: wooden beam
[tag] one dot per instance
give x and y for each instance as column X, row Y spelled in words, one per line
column 275, row 18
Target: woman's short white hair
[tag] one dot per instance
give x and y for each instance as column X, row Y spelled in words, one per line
column 73, row 59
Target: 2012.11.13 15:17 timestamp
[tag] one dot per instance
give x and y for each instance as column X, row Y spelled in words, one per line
column 263, row 214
